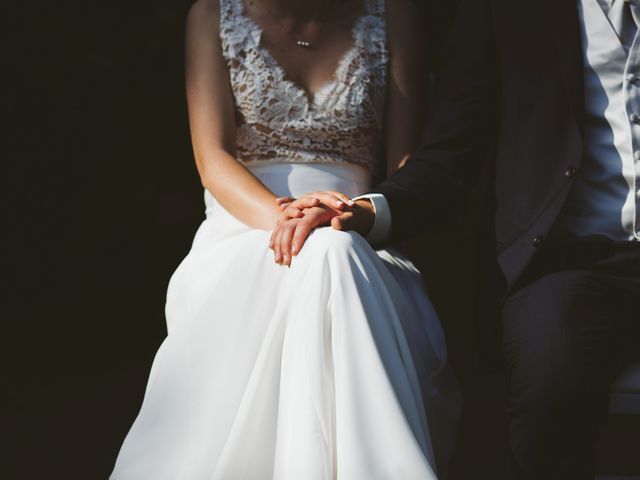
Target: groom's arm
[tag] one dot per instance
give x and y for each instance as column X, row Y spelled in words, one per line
column 461, row 127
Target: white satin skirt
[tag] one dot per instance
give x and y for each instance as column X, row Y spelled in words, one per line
column 333, row 368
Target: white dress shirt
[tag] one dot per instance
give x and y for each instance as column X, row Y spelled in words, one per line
column 605, row 199
column 381, row 228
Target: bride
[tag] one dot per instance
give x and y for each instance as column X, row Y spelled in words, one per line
column 325, row 364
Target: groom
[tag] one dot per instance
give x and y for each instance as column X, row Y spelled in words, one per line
column 548, row 92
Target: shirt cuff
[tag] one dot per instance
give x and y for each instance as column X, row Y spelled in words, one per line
column 381, row 229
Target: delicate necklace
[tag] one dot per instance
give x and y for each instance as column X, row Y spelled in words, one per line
column 306, row 44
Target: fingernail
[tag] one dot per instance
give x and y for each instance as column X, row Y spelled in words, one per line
column 294, row 249
column 351, row 203
column 285, row 258
column 339, row 203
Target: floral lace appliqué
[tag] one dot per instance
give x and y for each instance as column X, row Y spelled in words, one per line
column 278, row 122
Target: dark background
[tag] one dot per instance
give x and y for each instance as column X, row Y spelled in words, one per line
column 100, row 204
column 103, row 200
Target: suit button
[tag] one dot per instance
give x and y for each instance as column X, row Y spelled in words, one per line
column 635, row 118
column 570, row 172
column 538, row 241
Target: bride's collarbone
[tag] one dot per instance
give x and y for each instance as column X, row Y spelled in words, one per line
column 308, row 55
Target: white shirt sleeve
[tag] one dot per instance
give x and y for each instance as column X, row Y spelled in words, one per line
column 381, row 229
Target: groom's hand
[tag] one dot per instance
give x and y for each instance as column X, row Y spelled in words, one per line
column 359, row 218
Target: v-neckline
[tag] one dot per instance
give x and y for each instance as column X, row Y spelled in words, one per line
column 343, row 61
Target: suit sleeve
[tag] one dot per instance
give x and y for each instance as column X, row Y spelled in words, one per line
column 460, row 130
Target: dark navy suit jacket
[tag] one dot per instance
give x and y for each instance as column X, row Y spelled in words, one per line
column 510, row 92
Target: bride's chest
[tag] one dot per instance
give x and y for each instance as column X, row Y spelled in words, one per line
column 265, row 95
column 270, row 94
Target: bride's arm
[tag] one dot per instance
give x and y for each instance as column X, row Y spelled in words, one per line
column 213, row 124
column 408, row 82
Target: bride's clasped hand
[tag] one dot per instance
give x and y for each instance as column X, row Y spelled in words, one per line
column 301, row 216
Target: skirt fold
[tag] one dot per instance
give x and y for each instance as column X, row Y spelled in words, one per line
column 320, row 371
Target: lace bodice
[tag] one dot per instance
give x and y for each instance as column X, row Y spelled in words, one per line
column 278, row 122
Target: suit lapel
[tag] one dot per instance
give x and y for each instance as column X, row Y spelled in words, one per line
column 569, row 47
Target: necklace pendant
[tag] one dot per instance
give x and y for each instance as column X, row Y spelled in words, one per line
column 303, row 44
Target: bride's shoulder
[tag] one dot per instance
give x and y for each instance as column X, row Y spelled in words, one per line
column 404, row 23
column 204, row 15
column 205, row 10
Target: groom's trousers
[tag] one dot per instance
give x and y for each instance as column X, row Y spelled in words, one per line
column 570, row 326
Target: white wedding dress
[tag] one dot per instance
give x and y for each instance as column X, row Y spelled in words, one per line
column 320, row 371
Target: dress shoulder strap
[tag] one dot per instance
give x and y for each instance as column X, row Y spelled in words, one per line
column 371, row 30
column 228, row 9
column 238, row 34
column 227, row 19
